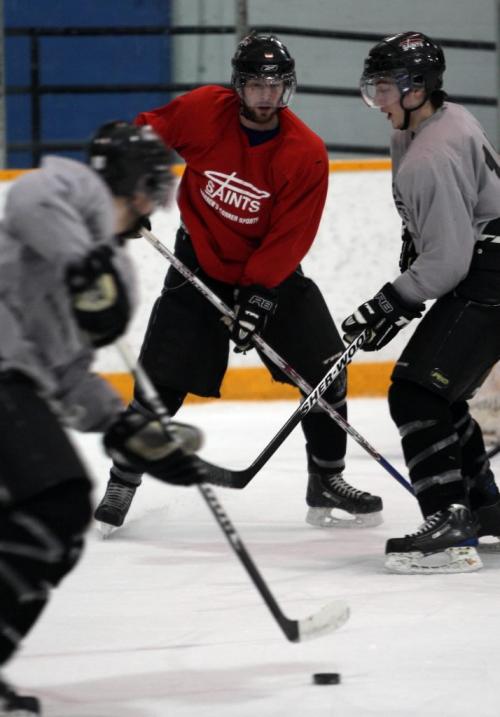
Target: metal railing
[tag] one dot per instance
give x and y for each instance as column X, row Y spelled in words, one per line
column 35, row 89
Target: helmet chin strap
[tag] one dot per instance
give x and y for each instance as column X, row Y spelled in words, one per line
column 407, row 117
column 406, row 122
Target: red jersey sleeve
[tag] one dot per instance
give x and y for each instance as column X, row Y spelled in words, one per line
column 177, row 122
column 158, row 119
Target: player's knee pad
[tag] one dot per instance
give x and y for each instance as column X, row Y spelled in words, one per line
column 425, row 425
column 460, row 412
column 411, row 402
column 475, row 462
column 429, row 439
column 76, row 501
column 430, row 444
column 41, row 539
column 470, row 433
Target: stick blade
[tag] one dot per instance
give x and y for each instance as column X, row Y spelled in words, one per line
column 328, row 619
column 224, row 477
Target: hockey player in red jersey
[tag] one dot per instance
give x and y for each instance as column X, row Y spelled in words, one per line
column 251, row 199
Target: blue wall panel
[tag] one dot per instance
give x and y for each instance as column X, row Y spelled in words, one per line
column 17, row 60
column 90, row 110
column 104, row 60
column 89, row 13
column 18, row 118
column 75, row 61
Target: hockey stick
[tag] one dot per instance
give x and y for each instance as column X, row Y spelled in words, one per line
column 313, row 396
column 240, row 478
column 329, row 618
column 493, row 451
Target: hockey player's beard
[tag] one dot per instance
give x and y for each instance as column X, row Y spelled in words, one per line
column 259, row 115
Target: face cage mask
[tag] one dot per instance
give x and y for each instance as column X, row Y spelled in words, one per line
column 157, row 186
column 289, row 84
column 385, row 88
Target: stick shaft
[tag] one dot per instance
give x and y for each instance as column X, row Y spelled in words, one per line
column 289, row 627
column 313, row 396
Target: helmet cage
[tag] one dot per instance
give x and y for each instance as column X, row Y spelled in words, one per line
column 156, row 185
column 289, row 80
column 385, row 88
column 399, row 84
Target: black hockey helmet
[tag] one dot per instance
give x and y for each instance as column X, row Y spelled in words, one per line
column 411, row 59
column 262, row 56
column 132, row 159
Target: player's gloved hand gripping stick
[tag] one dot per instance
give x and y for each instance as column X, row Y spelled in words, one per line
column 329, row 618
column 221, row 476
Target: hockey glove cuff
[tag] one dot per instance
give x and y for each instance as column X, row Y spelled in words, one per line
column 384, row 316
column 134, row 232
column 145, row 446
column 253, row 307
column 99, row 298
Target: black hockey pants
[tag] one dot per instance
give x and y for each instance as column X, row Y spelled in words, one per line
column 186, row 346
column 44, row 508
column 446, row 359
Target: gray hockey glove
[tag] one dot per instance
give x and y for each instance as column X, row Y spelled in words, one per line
column 384, row 315
column 99, row 299
column 145, row 446
column 253, row 307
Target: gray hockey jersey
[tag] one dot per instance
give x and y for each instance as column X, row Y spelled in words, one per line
column 53, row 217
column 446, row 186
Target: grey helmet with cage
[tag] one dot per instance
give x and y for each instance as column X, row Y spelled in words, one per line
column 412, row 61
column 263, row 56
column 132, row 159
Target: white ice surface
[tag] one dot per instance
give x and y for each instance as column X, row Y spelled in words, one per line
column 161, row 620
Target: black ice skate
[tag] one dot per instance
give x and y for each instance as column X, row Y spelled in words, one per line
column 113, row 508
column 488, row 525
column 16, row 705
column 445, row 543
column 326, row 493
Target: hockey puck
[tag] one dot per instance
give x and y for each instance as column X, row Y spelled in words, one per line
column 326, row 678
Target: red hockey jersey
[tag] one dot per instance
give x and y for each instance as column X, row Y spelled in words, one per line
column 252, row 212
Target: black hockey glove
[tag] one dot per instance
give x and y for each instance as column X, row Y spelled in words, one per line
column 253, row 307
column 134, row 232
column 142, row 444
column 384, row 315
column 100, row 302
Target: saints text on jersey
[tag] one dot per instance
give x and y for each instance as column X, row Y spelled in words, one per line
column 224, row 191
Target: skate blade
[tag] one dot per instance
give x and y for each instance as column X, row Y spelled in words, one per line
column 324, row 518
column 451, row 560
column 105, row 530
column 490, row 545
